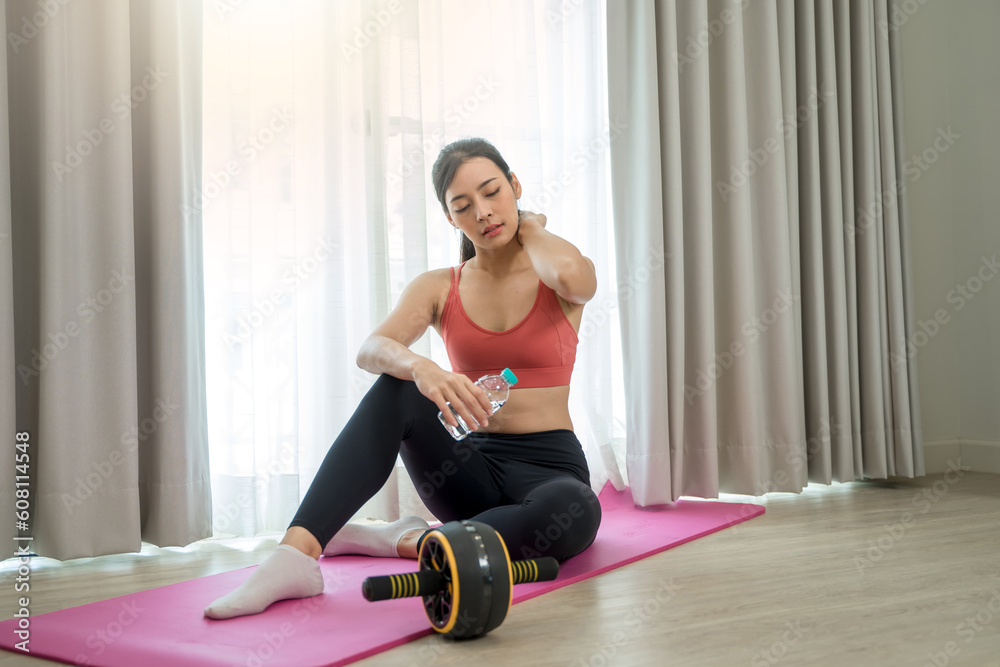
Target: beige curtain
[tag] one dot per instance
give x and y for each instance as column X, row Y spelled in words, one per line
column 102, row 333
column 761, row 154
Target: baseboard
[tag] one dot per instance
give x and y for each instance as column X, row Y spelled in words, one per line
column 938, row 453
column 974, row 455
column 981, row 455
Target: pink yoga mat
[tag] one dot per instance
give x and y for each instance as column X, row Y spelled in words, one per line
column 164, row 627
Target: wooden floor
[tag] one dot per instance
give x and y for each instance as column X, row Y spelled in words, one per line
column 905, row 572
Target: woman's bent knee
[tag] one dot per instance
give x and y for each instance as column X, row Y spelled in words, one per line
column 391, row 396
column 388, row 383
column 567, row 524
column 585, row 514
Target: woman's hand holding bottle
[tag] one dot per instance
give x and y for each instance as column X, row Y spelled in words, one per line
column 443, row 388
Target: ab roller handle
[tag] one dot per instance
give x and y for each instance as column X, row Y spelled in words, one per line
column 431, row 582
column 536, row 569
column 466, row 579
column 390, row 587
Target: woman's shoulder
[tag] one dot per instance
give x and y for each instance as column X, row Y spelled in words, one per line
column 435, row 277
column 434, row 285
column 431, row 278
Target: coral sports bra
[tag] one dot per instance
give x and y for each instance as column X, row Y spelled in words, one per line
column 540, row 349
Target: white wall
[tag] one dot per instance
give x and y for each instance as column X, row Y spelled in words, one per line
column 951, row 78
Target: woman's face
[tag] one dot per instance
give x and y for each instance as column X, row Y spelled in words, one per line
column 483, row 204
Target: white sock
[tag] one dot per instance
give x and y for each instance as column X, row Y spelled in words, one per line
column 286, row 573
column 365, row 540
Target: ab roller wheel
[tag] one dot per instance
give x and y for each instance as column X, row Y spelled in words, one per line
column 465, row 579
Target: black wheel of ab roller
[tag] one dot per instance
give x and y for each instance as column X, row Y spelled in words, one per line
column 474, row 562
column 465, row 579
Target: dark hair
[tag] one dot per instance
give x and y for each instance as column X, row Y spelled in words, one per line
column 453, row 156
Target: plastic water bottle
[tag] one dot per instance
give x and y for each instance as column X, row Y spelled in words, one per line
column 497, row 389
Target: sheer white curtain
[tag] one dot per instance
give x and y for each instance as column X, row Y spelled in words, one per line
column 321, row 123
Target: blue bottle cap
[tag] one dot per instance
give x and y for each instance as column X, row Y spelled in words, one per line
column 509, row 376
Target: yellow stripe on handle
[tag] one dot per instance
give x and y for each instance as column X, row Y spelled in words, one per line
column 404, row 585
column 536, row 569
column 411, row 584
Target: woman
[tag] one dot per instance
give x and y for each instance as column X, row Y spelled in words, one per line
column 516, row 301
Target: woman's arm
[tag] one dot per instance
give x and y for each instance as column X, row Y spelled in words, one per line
column 558, row 263
column 381, row 354
column 386, row 350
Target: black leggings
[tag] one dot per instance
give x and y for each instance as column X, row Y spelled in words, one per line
column 532, row 488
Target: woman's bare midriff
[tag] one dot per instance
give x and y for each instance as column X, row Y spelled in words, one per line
column 530, row 409
column 533, row 409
